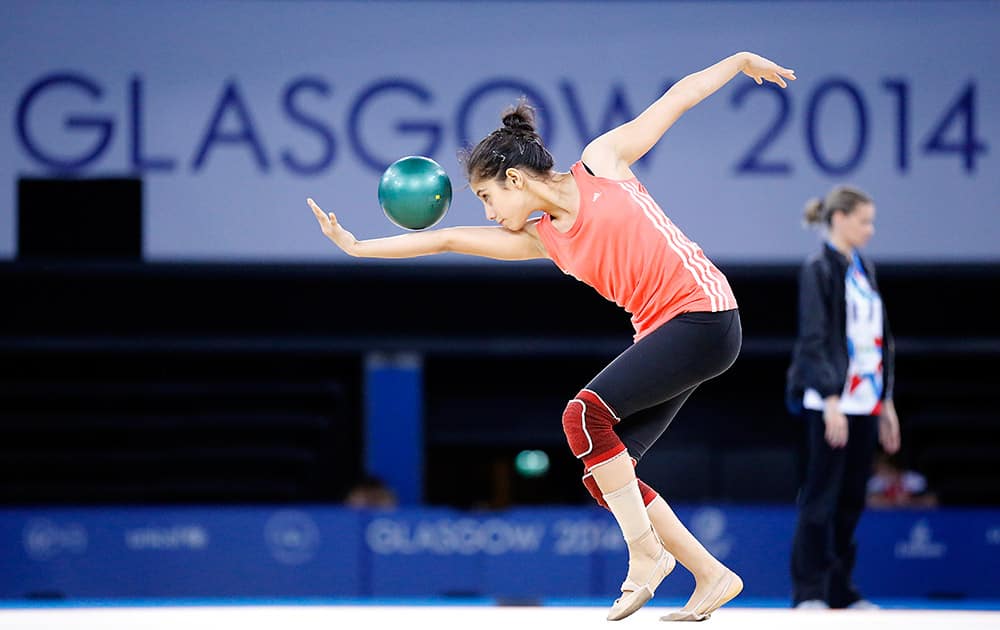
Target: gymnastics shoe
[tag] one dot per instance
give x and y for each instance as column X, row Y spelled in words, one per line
column 645, row 572
column 725, row 588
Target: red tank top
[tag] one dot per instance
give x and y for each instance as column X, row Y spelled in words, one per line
column 623, row 246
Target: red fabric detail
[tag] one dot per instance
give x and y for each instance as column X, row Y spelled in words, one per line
column 855, row 381
column 587, row 423
column 648, row 494
column 591, row 485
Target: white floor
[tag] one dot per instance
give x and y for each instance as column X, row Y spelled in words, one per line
column 471, row 618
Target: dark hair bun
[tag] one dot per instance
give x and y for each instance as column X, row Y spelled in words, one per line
column 516, row 144
column 520, row 118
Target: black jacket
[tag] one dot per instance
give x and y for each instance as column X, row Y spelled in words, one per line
column 819, row 358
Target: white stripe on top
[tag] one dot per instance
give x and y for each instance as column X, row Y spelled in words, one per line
column 690, row 256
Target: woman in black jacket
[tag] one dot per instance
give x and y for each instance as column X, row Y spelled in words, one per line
column 840, row 382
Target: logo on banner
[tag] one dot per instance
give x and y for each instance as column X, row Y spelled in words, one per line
column 709, row 526
column 44, row 539
column 292, row 537
column 192, row 537
column 463, row 536
column 920, row 545
column 993, row 536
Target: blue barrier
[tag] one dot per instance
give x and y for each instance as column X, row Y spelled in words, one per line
column 524, row 553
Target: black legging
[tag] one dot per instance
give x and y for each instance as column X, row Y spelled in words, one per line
column 648, row 383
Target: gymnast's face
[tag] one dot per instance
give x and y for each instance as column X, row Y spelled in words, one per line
column 506, row 202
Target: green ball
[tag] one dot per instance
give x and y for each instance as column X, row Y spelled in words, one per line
column 414, row 192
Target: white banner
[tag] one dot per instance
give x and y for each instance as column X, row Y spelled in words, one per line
column 234, row 112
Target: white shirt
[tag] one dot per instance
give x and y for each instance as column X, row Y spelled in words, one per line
column 862, row 394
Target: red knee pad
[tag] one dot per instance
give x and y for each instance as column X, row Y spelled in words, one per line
column 587, row 423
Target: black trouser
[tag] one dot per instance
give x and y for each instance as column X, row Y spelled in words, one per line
column 647, row 384
column 830, row 503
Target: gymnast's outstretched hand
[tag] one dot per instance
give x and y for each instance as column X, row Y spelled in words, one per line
column 760, row 69
column 333, row 229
